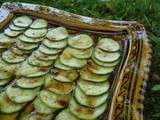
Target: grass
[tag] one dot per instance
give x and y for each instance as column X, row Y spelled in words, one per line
column 146, row 12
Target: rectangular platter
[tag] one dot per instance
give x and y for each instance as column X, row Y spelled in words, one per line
column 129, row 79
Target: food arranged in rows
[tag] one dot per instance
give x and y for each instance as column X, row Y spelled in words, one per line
column 66, row 77
column 23, row 46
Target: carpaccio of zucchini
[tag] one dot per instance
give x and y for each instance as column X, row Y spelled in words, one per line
column 49, row 74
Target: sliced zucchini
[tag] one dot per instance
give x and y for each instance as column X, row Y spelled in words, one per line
column 104, row 64
column 89, row 101
column 30, row 71
column 92, row 88
column 32, row 60
column 97, row 69
column 19, row 52
column 56, row 44
column 42, row 56
column 57, row 34
column 106, row 56
column 26, row 46
column 35, row 33
column 29, row 40
column 85, row 112
column 7, row 106
column 80, row 53
column 86, row 74
column 59, row 65
column 67, row 59
column 29, row 82
column 6, row 40
column 10, row 57
column 11, row 33
column 4, row 82
column 48, row 51
column 22, row 21
column 54, row 100
column 58, row 87
column 39, row 24
column 5, row 74
column 65, row 75
column 66, row 115
column 81, row 41
column 15, row 28
column 41, row 107
column 20, row 95
column 109, row 45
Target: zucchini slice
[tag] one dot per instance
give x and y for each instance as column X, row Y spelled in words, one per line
column 108, row 45
column 42, row 56
column 58, row 87
column 106, row 56
column 32, row 60
column 4, row 74
column 65, row 75
column 67, row 59
column 29, row 82
column 20, row 95
column 30, row 71
column 80, row 53
column 37, row 116
column 104, row 64
column 7, row 106
column 85, row 112
column 48, row 51
column 6, row 40
column 26, row 46
column 19, row 52
column 97, row 69
column 15, row 28
column 10, row 57
column 4, row 82
column 81, row 41
column 55, row 44
column 59, row 65
column 11, row 33
column 54, row 100
column 57, row 34
column 22, row 21
column 29, row 40
column 86, row 74
column 39, row 24
column 89, row 101
column 66, row 115
column 35, row 33
column 92, row 88
column 41, row 107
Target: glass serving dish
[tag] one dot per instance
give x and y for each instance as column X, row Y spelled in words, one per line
column 128, row 81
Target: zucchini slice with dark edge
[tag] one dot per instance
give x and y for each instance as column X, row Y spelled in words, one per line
column 11, row 33
column 35, row 33
column 87, row 75
column 58, row 87
column 39, row 24
column 93, row 89
column 54, row 100
column 106, row 56
column 57, row 34
column 109, row 45
column 7, row 106
column 65, row 75
column 89, row 101
column 59, row 65
column 81, row 41
column 66, row 115
column 15, row 28
column 29, row 82
column 85, row 112
column 20, row 95
column 6, row 40
column 41, row 107
column 22, row 21
column 29, row 40
column 19, row 52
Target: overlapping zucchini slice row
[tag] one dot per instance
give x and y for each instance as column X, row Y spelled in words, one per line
column 23, row 46
column 30, row 77
column 10, row 34
column 89, row 99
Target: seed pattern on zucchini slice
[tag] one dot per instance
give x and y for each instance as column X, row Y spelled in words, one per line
column 39, row 24
column 35, row 33
column 22, row 21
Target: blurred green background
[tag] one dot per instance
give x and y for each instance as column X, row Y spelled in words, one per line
column 146, row 12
